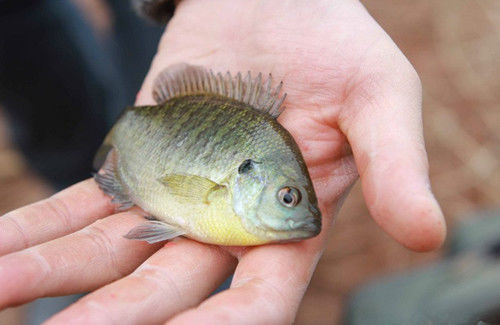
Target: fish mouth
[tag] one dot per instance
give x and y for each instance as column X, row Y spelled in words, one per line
column 293, row 230
column 309, row 227
column 313, row 227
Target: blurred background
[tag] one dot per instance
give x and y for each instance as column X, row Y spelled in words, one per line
column 454, row 45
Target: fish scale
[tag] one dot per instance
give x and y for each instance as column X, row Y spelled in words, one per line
column 208, row 142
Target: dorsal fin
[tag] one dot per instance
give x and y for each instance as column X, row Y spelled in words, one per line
column 183, row 79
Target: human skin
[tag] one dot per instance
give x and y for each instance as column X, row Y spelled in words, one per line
column 354, row 108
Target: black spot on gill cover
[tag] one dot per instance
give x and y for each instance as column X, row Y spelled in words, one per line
column 245, row 166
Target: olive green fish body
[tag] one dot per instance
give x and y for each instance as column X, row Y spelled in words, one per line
column 200, row 163
column 200, row 135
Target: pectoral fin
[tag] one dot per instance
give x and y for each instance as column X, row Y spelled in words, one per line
column 194, row 188
column 154, row 231
column 108, row 180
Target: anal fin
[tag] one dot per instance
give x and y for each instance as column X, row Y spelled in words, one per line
column 109, row 183
column 154, row 231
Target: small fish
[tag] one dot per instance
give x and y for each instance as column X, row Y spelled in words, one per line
column 209, row 162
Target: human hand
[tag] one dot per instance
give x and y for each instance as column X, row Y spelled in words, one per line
column 353, row 105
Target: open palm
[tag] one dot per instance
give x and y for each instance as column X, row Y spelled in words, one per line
column 353, row 105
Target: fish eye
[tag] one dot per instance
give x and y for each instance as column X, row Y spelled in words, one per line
column 289, row 196
column 245, row 166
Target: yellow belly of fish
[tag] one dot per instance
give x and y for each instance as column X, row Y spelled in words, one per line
column 213, row 223
column 221, row 226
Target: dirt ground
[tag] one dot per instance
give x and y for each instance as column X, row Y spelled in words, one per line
column 455, row 47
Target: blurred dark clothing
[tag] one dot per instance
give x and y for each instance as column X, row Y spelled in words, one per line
column 61, row 86
column 135, row 42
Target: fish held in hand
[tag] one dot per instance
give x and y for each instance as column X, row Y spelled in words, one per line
column 209, row 162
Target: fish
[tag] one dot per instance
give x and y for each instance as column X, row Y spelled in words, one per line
column 209, row 162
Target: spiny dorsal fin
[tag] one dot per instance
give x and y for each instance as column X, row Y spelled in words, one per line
column 183, row 79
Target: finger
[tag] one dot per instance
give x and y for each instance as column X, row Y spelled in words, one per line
column 178, row 276
column 63, row 213
column 82, row 261
column 384, row 127
column 267, row 287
